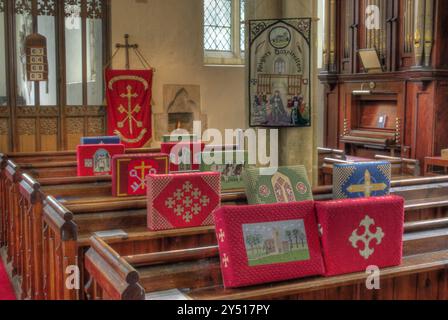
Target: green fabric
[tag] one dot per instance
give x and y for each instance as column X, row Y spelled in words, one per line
column 291, row 183
column 231, row 165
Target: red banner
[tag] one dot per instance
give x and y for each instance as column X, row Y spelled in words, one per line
column 129, row 95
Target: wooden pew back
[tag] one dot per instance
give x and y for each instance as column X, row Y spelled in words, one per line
column 59, row 251
column 196, row 271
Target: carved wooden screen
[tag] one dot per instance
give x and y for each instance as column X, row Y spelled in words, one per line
column 53, row 115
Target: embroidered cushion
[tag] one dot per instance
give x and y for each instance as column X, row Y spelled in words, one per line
column 268, row 243
column 96, row 160
column 180, row 138
column 358, row 233
column 182, row 200
column 184, row 156
column 130, row 171
column 231, row 165
column 363, row 179
column 288, row 184
column 101, row 140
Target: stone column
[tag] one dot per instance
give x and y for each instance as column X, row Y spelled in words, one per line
column 298, row 145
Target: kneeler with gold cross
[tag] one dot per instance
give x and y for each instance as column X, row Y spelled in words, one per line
column 359, row 180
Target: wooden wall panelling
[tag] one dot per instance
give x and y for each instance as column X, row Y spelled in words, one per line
column 440, row 57
column 332, row 116
column 44, row 128
column 441, row 116
column 422, row 143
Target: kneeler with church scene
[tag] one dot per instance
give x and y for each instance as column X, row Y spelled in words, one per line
column 268, row 243
column 182, row 200
column 130, row 171
column 96, row 160
column 358, row 180
column 287, row 184
column 184, row 156
column 358, row 233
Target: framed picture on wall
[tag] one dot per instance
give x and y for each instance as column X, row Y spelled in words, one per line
column 280, row 73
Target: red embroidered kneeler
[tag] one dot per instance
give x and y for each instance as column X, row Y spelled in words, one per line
column 184, row 156
column 96, row 160
column 360, row 233
column 130, row 171
column 268, row 243
column 182, row 200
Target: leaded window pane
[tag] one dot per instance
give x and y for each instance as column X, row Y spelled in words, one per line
column 218, row 25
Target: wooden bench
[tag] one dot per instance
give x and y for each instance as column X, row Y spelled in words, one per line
column 102, row 201
column 401, row 168
column 98, row 211
column 196, row 274
column 323, row 153
column 138, row 239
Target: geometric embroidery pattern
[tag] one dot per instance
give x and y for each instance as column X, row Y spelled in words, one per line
column 187, row 202
column 340, row 177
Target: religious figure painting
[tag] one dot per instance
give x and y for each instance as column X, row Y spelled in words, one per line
column 280, row 73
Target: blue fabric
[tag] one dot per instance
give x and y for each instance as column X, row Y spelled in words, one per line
column 100, row 140
column 358, row 180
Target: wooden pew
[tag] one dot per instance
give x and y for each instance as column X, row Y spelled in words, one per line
column 82, row 202
column 401, row 168
column 196, row 273
column 103, row 212
column 323, row 153
column 137, row 239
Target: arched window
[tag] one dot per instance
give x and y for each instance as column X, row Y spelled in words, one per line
column 280, row 66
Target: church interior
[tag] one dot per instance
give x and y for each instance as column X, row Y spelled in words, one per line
column 223, row 150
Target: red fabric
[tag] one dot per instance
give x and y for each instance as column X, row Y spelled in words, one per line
column 182, row 200
column 231, row 223
column 342, row 222
column 129, row 95
column 177, row 163
column 6, row 291
column 130, row 171
column 96, row 160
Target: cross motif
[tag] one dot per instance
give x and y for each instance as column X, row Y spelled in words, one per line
column 188, row 217
column 188, row 202
column 368, row 187
column 178, row 194
column 196, row 209
column 205, row 201
column 188, row 186
column 196, row 193
column 130, row 111
column 142, row 169
column 367, row 237
column 170, row 203
column 225, row 260
column 179, row 210
column 221, row 235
